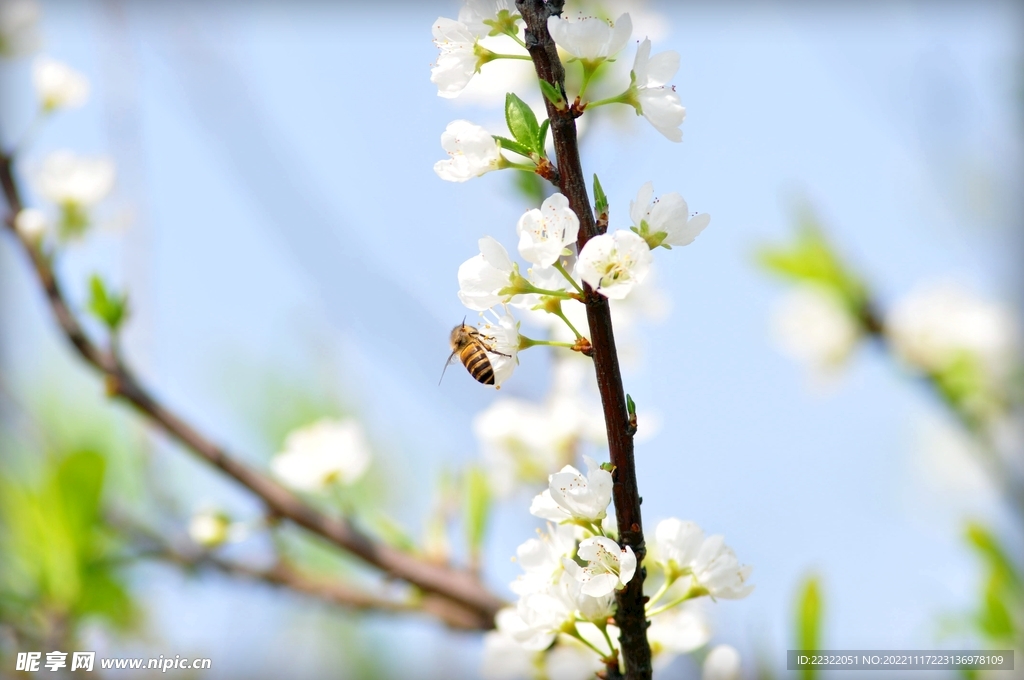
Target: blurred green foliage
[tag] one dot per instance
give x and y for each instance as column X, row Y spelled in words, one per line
column 1002, row 595
column 808, row 619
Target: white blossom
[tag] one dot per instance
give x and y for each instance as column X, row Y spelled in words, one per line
column 812, row 325
column 614, row 263
column 609, row 567
column 504, row 657
column 571, row 496
column 475, row 12
column 721, row 663
column 591, row 38
column 668, row 215
column 937, row 323
column 545, row 232
column 78, row 181
column 31, row 224
column 209, row 528
column 472, row 150
column 482, row 276
column 324, row 453
column 19, row 33
column 541, row 616
column 521, row 440
column 457, row 62
column 58, row 86
column 501, row 335
column 679, row 630
column 541, row 558
column 654, row 98
column 572, row 660
column 683, row 549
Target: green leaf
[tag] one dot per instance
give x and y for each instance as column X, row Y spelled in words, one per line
column 478, row 508
column 514, row 147
column 79, row 481
column 630, row 406
column 552, row 94
column 600, row 200
column 522, row 123
column 988, row 547
column 808, row 619
column 110, row 308
column 543, row 137
column 530, row 185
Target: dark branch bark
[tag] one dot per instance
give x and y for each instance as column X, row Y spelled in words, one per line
column 460, row 587
column 630, row 616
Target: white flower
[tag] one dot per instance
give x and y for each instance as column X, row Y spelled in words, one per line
column 654, row 98
column 722, row 663
column 608, row 569
column 77, row 181
column 679, row 630
column 472, row 150
column 541, row 616
column 812, row 325
column 545, row 232
column 668, row 215
column 571, row 496
column 475, row 12
column 209, row 528
column 18, row 27
column 457, row 62
column 521, row 440
column 481, row 277
column 683, row 549
column 614, row 263
column 572, row 660
column 504, row 657
column 591, row 38
column 31, row 224
column 938, row 323
column 541, row 558
column 326, row 452
column 501, row 335
column 58, row 85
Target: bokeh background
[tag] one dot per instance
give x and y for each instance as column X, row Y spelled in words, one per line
column 288, row 248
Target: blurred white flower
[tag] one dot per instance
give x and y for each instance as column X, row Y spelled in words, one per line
column 609, row 567
column 19, row 33
column 504, row 657
column 76, row 181
column 501, row 333
column 591, row 38
column 935, row 324
column 58, row 86
column 655, row 99
column 541, row 558
column 209, row 528
column 683, row 550
column 614, row 263
column 522, row 440
column 457, row 62
column 679, row 630
column 472, row 150
column 668, row 214
column 482, row 276
column 324, row 453
column 544, row 233
column 721, row 663
column 31, row 224
column 572, row 660
column 540, row 617
column 571, row 496
column 812, row 325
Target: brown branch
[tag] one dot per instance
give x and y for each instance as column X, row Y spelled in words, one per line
column 630, row 615
column 460, row 587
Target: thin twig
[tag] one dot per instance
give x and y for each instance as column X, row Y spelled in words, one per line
column 630, row 616
column 461, row 587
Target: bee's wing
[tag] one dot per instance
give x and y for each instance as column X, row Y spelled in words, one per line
column 446, row 365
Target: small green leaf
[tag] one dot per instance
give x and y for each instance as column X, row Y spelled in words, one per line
column 529, row 185
column 522, row 123
column 543, row 137
column 478, row 508
column 600, row 200
column 552, row 94
column 808, row 619
column 630, row 406
column 514, row 147
column 110, row 308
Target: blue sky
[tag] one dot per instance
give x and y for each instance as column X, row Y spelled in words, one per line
column 278, row 161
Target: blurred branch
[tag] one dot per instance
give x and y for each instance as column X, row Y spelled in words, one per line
column 630, row 615
column 460, row 587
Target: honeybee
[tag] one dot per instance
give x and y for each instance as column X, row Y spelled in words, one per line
column 472, row 347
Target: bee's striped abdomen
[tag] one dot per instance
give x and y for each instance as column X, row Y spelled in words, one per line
column 474, row 358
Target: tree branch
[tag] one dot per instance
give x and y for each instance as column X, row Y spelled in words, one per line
column 460, row 587
column 630, row 616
